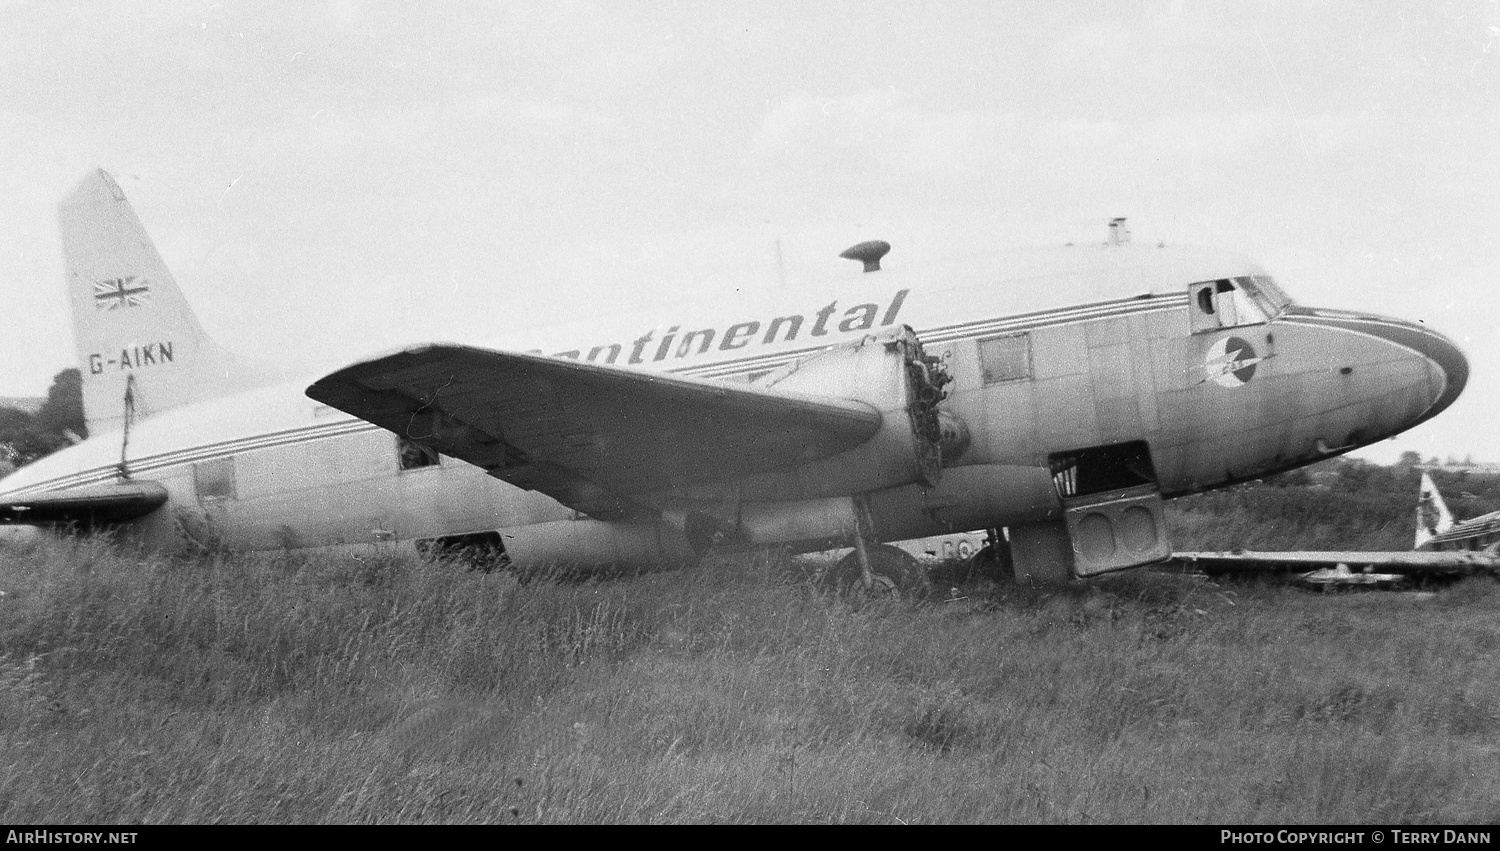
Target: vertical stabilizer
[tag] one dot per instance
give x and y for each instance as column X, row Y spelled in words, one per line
column 1433, row 517
column 134, row 330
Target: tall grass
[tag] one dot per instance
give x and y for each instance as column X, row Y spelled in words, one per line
column 139, row 689
column 1269, row 518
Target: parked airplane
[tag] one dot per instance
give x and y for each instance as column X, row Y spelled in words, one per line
column 1059, row 393
column 1442, row 548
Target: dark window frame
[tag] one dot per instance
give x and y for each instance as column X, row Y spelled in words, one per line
column 988, row 366
column 215, row 480
column 411, row 455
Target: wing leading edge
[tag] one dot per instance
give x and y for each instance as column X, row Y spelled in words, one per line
column 592, row 437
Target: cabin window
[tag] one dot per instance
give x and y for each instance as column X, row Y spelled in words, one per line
column 411, row 455
column 1225, row 303
column 214, row 480
column 1005, row 358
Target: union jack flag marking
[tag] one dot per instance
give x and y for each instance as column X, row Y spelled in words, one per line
column 115, row 293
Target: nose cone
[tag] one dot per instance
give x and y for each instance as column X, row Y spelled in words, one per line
column 1447, row 368
column 1445, row 358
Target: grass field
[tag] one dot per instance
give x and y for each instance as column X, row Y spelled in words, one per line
column 137, row 689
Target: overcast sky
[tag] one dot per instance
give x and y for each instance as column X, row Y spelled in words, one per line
column 328, row 179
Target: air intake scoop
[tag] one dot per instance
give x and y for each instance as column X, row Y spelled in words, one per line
column 868, row 253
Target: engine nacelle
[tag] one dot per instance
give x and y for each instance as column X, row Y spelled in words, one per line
column 973, row 497
column 596, row 543
column 892, row 374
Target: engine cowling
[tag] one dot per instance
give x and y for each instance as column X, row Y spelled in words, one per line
column 891, row 373
column 596, row 543
column 971, row 497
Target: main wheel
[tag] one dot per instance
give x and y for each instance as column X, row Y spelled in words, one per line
column 992, row 563
column 894, row 574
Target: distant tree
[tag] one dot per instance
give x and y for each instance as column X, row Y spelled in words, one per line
column 58, row 423
column 1409, row 459
column 1353, row 473
column 1357, row 475
column 63, row 410
column 24, row 440
column 12, row 422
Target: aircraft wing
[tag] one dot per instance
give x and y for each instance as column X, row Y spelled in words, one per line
column 1407, row 563
column 588, row 435
column 115, row 502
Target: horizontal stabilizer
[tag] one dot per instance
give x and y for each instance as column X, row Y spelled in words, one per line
column 108, row 503
column 1409, row 563
column 587, row 435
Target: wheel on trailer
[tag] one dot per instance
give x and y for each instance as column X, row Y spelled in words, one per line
column 894, row 572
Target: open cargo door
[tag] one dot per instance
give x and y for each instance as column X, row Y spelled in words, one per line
column 1112, row 506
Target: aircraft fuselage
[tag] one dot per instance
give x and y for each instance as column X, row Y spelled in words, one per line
column 1074, row 371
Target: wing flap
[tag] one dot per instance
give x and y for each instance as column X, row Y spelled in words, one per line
column 116, row 502
column 590, row 436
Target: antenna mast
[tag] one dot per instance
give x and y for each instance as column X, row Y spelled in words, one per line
column 129, row 417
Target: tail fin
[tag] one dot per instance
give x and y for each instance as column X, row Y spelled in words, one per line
column 1433, row 517
column 139, row 346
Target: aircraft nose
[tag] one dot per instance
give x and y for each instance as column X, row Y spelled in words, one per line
column 1446, row 362
column 1446, row 357
column 1447, row 368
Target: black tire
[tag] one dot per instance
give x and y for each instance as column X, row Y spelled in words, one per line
column 993, row 564
column 897, row 575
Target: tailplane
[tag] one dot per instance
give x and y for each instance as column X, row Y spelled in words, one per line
column 1433, row 517
column 140, row 348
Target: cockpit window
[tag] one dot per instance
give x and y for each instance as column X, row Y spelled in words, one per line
column 1270, row 297
column 1225, row 303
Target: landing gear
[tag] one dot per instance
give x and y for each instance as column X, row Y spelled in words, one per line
column 876, row 571
column 894, row 575
column 993, row 561
column 1043, row 554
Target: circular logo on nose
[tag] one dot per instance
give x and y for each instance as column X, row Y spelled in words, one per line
column 1230, row 362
